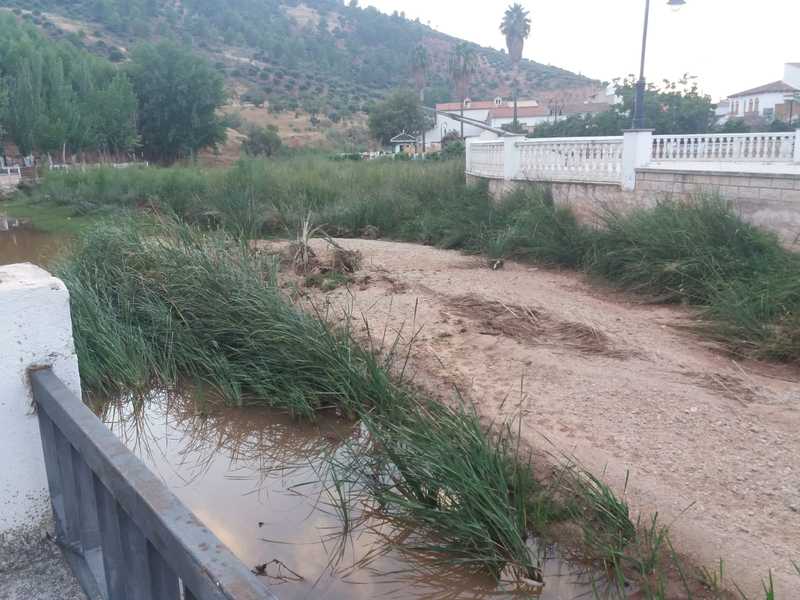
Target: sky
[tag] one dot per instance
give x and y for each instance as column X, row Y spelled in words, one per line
column 730, row 45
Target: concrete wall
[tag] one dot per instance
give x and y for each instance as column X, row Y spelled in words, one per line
column 35, row 331
column 768, row 201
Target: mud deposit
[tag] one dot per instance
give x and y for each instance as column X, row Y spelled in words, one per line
column 677, row 426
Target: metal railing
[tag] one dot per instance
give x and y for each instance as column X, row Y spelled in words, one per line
column 125, row 535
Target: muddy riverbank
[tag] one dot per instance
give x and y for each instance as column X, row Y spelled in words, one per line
column 708, row 442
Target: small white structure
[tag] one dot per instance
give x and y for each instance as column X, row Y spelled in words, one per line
column 36, row 331
column 770, row 101
column 404, row 143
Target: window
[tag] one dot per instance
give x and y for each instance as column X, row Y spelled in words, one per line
column 755, row 105
column 769, row 113
column 750, row 105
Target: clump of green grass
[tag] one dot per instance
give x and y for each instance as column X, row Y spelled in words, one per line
column 152, row 307
column 681, row 251
column 529, row 227
column 465, row 487
column 700, row 252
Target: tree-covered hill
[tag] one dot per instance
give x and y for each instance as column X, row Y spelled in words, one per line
column 317, row 55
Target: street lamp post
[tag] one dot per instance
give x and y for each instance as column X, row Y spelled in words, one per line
column 638, row 101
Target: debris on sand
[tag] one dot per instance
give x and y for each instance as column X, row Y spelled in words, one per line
column 371, row 232
column 532, row 326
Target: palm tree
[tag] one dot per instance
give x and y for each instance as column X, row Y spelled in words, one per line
column 516, row 26
column 462, row 66
column 419, row 67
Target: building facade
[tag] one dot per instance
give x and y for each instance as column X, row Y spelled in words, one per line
column 776, row 100
column 499, row 112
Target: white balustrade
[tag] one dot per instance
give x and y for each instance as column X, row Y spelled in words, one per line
column 726, row 147
column 584, row 160
column 616, row 159
column 486, row 159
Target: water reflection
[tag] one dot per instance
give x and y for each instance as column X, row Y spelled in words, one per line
column 259, row 480
column 28, row 245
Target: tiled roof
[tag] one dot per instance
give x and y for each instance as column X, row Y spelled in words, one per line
column 478, row 105
column 506, row 112
column 775, row 86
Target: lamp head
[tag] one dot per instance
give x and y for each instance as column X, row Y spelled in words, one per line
column 676, row 5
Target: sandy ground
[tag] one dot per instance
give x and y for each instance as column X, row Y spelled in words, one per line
column 708, row 443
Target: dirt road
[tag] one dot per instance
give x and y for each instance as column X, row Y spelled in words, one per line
column 709, row 443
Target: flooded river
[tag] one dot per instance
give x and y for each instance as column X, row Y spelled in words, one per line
column 252, row 475
column 29, row 245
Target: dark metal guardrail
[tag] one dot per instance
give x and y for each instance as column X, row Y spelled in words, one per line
column 125, row 535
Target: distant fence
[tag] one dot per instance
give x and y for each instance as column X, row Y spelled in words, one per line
column 10, row 172
column 125, row 534
column 84, row 166
column 614, row 160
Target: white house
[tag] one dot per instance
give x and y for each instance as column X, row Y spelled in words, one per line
column 531, row 116
column 444, row 125
column 770, row 101
column 499, row 112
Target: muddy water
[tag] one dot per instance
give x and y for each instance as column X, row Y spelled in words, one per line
column 28, row 245
column 252, row 476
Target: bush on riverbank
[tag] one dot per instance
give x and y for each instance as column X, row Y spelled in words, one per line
column 700, row 253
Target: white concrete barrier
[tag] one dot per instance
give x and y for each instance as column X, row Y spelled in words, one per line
column 35, row 331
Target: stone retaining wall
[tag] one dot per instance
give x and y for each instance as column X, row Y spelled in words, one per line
column 766, row 200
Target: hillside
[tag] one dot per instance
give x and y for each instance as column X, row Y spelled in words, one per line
column 319, row 56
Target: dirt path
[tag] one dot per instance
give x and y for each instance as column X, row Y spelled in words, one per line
column 710, row 444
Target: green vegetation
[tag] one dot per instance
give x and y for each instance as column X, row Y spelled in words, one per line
column 700, row 253
column 159, row 305
column 516, row 27
column 675, row 107
column 49, row 218
column 167, row 303
column 336, row 53
column 55, row 98
column 60, row 100
column 179, row 94
column 400, row 112
column 262, row 141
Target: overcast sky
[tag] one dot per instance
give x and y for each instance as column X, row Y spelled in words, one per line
column 731, row 45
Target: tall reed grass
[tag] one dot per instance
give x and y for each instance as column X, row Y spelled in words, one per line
column 698, row 252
